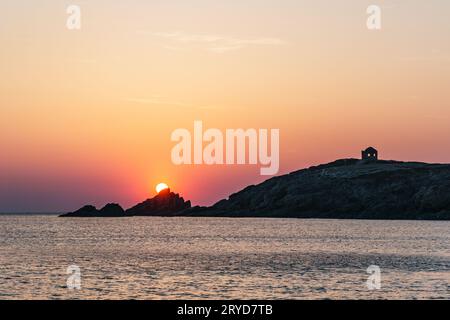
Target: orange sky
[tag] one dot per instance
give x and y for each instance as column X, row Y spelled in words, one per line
column 86, row 116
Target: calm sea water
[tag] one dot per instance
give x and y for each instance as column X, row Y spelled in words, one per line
column 196, row 258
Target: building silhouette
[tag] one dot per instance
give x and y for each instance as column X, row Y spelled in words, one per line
column 370, row 154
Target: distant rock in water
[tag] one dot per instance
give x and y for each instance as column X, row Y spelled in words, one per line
column 86, row 211
column 110, row 210
column 165, row 203
column 345, row 189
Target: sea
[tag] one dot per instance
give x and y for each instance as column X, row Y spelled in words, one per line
column 145, row 258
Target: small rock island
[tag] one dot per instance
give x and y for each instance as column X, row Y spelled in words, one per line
column 366, row 188
column 165, row 203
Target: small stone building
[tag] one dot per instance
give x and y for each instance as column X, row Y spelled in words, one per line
column 370, row 154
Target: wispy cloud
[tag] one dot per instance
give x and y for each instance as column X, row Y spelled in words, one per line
column 156, row 101
column 216, row 43
column 160, row 100
column 434, row 55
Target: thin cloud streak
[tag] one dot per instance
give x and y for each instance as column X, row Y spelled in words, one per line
column 217, row 43
column 156, row 100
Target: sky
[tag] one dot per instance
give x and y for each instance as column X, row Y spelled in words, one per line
column 86, row 115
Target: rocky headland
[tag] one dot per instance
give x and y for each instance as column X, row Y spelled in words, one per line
column 343, row 189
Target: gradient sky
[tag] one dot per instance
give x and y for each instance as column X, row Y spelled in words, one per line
column 86, row 116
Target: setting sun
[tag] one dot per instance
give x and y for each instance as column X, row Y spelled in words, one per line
column 161, row 186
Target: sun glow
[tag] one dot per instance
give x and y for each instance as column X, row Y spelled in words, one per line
column 161, row 186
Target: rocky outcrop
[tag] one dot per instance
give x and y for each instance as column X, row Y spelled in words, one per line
column 345, row 189
column 110, row 210
column 165, row 203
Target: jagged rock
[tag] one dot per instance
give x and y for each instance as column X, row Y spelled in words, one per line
column 165, row 203
column 110, row 210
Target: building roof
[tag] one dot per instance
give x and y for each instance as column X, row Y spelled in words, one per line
column 371, row 149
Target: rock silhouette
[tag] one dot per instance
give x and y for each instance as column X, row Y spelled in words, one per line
column 345, row 189
column 85, row 211
column 110, row 210
column 164, row 203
